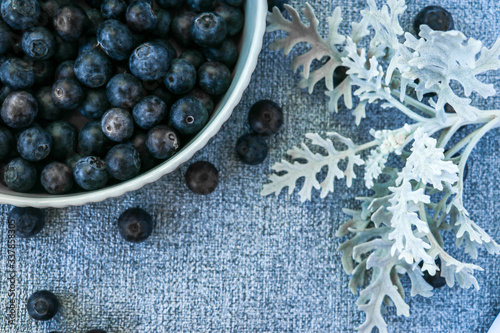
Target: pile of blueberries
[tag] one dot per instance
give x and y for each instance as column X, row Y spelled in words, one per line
column 113, row 66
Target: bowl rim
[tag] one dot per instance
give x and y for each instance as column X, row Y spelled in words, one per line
column 255, row 18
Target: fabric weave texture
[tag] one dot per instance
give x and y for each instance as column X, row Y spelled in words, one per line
column 234, row 261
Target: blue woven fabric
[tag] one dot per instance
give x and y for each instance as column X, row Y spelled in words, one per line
column 234, row 261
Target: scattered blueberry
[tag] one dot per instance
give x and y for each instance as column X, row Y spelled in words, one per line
column 19, row 109
column 251, row 149
column 339, row 75
column 115, row 39
column 265, row 117
column 57, row 178
column 436, row 281
column 39, row 43
column 93, row 69
column 90, row 173
column 64, row 138
column 195, row 57
column 42, row 305
column 117, row 124
column 163, row 26
column 149, row 112
column 20, row 14
column 91, row 139
column 71, row 22
column 188, row 115
column 113, row 9
column 6, row 142
column 204, row 98
column 135, row 225
column 34, row 144
column 170, row 4
column 202, row 177
column 67, row 93
column 201, row 5
column 123, row 162
column 149, row 61
column 226, row 53
column 124, row 91
column 162, row 142
column 208, row 30
column 28, row 221
column 214, row 78
column 20, row 175
column 66, row 69
column 96, row 331
column 436, row 17
column 95, row 104
column 181, row 28
column 181, row 77
column 140, row 16
column 17, row 74
column 232, row 16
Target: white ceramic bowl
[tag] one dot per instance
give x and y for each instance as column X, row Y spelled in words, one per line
column 250, row 47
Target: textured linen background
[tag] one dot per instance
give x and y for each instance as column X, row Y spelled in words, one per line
column 237, row 262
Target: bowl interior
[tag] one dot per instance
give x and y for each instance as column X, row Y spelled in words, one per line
column 250, row 46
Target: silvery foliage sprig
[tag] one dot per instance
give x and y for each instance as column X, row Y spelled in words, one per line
column 398, row 229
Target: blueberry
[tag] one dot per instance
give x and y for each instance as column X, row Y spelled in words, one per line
column 124, row 91
column 202, row 177
column 19, row 109
column 265, row 117
column 95, row 20
column 66, row 69
column 204, row 98
column 4, row 38
column 71, row 22
column 20, row 175
column 90, row 173
column 72, row 159
column 164, row 95
column 6, row 142
column 43, row 70
column 42, row 305
column 34, row 144
column 28, row 221
column 436, row 17
column 17, row 74
column 93, row 68
column 235, row 3
column 188, row 115
column 4, row 92
column 88, row 44
column 117, row 124
column 93, row 3
column 149, row 61
column 214, row 78
column 135, row 225
column 339, row 75
column 49, row 7
column 123, row 162
column 115, row 39
column 139, row 143
column 67, row 93
column 226, row 53
column 20, row 14
column 91, row 139
column 163, row 25
column 181, row 77
column 170, row 4
column 140, row 16
column 57, row 178
column 65, row 50
column 201, row 5
column 251, row 149
column 195, row 57
column 208, row 30
column 113, row 9
column 181, row 28
column 436, row 281
column 162, row 142
column 64, row 138
column 39, row 43
column 232, row 16
column 270, row 3
column 95, row 104
column 167, row 46
column 149, row 112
